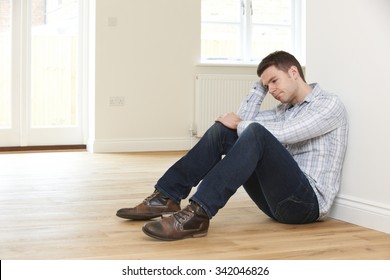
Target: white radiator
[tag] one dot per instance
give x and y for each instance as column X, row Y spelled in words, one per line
column 218, row 94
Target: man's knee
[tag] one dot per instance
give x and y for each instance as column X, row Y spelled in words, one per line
column 219, row 128
column 255, row 128
column 256, row 131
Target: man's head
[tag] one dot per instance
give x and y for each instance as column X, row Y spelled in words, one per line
column 282, row 76
column 281, row 60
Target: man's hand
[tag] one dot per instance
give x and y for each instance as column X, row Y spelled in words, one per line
column 230, row 120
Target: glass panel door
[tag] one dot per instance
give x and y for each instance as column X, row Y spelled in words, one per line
column 40, row 77
column 5, row 64
column 54, row 46
column 9, row 129
column 54, row 95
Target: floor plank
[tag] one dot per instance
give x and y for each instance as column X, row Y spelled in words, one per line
column 62, row 205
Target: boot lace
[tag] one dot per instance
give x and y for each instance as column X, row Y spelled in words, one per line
column 153, row 195
column 184, row 214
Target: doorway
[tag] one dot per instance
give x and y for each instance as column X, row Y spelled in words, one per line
column 41, row 73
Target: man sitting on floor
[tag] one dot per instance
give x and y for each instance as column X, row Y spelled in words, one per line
column 289, row 159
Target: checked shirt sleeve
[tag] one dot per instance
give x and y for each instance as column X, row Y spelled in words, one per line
column 250, row 105
column 316, row 118
column 312, row 118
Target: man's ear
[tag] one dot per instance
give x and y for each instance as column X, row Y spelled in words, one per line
column 294, row 73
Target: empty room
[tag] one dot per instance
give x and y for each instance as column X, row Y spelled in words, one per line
column 179, row 129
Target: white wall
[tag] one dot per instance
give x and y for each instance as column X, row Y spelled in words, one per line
column 148, row 57
column 348, row 52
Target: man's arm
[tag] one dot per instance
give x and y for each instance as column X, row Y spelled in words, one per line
column 249, row 108
column 230, row 120
column 321, row 116
column 250, row 105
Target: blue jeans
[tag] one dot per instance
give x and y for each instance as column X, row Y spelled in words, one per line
column 256, row 160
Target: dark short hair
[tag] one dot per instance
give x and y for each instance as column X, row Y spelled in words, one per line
column 281, row 60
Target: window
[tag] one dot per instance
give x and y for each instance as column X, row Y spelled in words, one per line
column 247, row 30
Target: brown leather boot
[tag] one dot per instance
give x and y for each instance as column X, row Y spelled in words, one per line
column 155, row 205
column 192, row 221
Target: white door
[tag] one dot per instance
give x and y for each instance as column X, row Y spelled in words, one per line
column 40, row 73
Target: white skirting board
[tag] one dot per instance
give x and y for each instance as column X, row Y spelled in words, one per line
column 361, row 212
column 139, row 145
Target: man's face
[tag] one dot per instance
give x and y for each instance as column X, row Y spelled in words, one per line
column 281, row 85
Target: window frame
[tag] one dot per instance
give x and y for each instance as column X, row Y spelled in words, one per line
column 298, row 35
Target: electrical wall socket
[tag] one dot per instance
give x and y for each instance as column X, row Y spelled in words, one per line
column 112, row 21
column 117, row 101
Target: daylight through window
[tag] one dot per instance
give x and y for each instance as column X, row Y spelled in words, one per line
column 247, row 30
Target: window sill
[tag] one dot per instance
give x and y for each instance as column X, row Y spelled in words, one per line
column 227, row 64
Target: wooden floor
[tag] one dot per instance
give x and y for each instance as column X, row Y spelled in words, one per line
column 62, row 205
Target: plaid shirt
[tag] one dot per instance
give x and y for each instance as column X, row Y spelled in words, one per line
column 314, row 131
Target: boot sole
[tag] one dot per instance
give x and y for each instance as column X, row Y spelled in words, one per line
column 192, row 235
column 143, row 217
